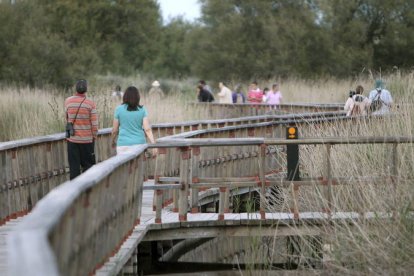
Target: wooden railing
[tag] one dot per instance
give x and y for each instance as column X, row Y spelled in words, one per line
column 82, row 222
column 214, row 160
column 219, row 111
column 30, row 168
column 230, row 175
column 77, row 226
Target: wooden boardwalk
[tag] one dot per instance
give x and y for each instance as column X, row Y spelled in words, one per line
column 197, row 225
column 5, row 230
column 116, row 262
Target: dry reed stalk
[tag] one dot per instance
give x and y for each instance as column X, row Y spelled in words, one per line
column 364, row 246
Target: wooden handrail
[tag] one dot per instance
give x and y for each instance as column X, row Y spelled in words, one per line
column 194, row 182
column 95, row 178
column 18, row 167
column 72, row 219
column 214, row 142
column 217, row 110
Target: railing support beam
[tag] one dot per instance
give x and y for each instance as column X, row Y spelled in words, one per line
column 184, row 181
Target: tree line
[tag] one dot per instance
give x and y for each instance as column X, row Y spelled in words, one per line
column 56, row 41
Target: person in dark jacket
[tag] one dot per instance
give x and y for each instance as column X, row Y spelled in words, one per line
column 203, row 95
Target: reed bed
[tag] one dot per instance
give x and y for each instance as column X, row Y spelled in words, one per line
column 383, row 242
column 365, row 246
column 30, row 112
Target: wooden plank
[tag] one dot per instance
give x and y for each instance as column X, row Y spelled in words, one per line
column 229, row 231
column 162, row 187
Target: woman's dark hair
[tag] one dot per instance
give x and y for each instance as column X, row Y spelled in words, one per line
column 131, row 98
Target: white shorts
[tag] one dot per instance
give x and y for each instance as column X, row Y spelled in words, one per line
column 124, row 149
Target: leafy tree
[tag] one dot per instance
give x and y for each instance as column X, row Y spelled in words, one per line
column 257, row 38
column 57, row 41
column 172, row 59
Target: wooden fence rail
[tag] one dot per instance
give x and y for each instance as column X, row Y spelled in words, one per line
column 217, row 110
column 82, row 222
column 30, row 168
column 76, row 227
column 190, row 181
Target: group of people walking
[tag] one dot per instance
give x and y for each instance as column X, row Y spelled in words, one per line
column 227, row 96
column 379, row 101
column 131, row 127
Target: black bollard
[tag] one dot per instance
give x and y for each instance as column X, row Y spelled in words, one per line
column 292, row 155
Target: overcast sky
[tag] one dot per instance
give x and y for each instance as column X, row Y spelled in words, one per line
column 189, row 9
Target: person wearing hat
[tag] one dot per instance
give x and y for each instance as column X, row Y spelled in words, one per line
column 225, row 95
column 155, row 93
column 380, row 98
column 82, row 116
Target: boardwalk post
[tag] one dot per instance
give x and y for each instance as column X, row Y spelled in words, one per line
column 394, row 170
column 158, row 205
column 262, row 180
column 160, row 164
column 221, row 203
column 328, row 175
column 227, row 201
column 195, row 159
column 184, row 175
column 295, row 205
column 175, row 200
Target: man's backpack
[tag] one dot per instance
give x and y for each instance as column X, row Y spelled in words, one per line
column 376, row 104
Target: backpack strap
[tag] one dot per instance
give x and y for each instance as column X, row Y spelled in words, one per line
column 74, row 120
column 378, row 97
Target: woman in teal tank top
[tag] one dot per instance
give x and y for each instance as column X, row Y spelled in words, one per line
column 131, row 125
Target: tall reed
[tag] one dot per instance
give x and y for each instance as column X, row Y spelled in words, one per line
column 381, row 240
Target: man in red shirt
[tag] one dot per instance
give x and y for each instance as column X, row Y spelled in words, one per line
column 81, row 145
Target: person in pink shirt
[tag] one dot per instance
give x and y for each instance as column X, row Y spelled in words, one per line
column 255, row 95
column 274, row 96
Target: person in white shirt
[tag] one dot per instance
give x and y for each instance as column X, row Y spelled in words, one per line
column 274, row 96
column 357, row 104
column 225, row 94
column 381, row 99
column 265, row 92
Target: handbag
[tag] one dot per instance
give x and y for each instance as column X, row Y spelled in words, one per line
column 70, row 130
